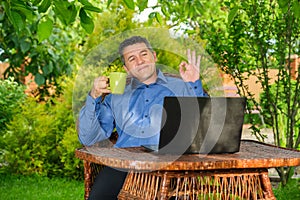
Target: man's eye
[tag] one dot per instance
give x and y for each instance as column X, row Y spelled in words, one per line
column 131, row 59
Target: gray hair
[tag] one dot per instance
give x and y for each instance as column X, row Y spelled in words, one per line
column 131, row 41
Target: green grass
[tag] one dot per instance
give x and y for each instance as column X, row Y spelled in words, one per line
column 290, row 192
column 39, row 188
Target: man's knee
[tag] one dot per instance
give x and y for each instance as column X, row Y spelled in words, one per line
column 108, row 184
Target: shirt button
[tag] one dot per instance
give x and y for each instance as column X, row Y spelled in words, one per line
column 147, row 86
column 147, row 100
column 142, row 132
column 195, row 87
column 146, row 115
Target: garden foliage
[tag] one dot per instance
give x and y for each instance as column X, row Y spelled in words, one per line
column 41, row 139
column 11, row 96
column 281, row 112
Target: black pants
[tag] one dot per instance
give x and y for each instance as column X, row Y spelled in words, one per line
column 108, row 184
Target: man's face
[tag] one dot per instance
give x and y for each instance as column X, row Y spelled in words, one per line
column 140, row 62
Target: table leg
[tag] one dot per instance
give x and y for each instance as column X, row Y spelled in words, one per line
column 267, row 186
column 91, row 170
column 87, row 179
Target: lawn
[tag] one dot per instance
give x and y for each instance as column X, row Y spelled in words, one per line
column 39, row 188
column 36, row 188
column 290, row 192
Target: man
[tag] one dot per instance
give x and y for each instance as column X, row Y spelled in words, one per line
column 136, row 114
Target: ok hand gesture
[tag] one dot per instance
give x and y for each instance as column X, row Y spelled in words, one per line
column 190, row 72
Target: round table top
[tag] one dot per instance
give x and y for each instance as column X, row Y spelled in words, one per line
column 252, row 154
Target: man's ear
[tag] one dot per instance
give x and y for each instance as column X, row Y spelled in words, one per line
column 154, row 56
column 126, row 69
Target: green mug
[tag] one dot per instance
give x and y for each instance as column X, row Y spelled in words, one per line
column 117, row 82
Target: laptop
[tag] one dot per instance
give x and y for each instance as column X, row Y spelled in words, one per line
column 203, row 125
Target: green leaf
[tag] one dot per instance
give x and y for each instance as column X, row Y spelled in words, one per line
column 44, row 29
column 88, row 27
column 296, row 9
column 72, row 13
column 165, row 12
column 142, row 4
column 152, row 15
column 283, row 3
column 191, row 31
column 86, row 22
column 36, row 2
column 39, row 79
column 17, row 20
column 92, row 8
column 25, row 46
column 24, row 9
column 47, row 69
column 44, row 6
column 186, row 10
column 158, row 18
column 109, row 2
column 85, row 2
column 232, row 14
column 129, row 4
column 83, row 16
column 65, row 11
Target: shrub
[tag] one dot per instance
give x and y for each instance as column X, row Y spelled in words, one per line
column 11, row 96
column 29, row 142
column 71, row 166
column 41, row 139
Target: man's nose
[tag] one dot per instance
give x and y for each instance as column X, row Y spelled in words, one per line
column 140, row 60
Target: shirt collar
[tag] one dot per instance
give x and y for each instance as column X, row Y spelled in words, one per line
column 161, row 79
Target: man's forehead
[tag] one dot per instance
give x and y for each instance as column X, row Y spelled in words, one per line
column 138, row 47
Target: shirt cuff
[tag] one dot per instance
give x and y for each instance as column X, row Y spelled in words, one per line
column 197, row 88
column 91, row 103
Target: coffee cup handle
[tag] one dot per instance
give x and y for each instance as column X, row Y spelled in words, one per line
column 108, row 84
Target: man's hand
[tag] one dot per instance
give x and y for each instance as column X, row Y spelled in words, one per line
column 190, row 72
column 100, row 87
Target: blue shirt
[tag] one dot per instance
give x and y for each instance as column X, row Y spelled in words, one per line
column 136, row 114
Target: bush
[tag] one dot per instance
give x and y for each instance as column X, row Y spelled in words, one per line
column 11, row 96
column 71, row 166
column 41, row 139
column 29, row 141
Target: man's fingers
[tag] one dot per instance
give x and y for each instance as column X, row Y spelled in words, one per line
column 105, row 91
column 100, row 87
column 101, row 82
column 182, row 67
column 103, row 78
column 193, row 58
column 188, row 53
column 198, row 62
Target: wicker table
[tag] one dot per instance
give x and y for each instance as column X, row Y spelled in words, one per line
column 216, row 176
